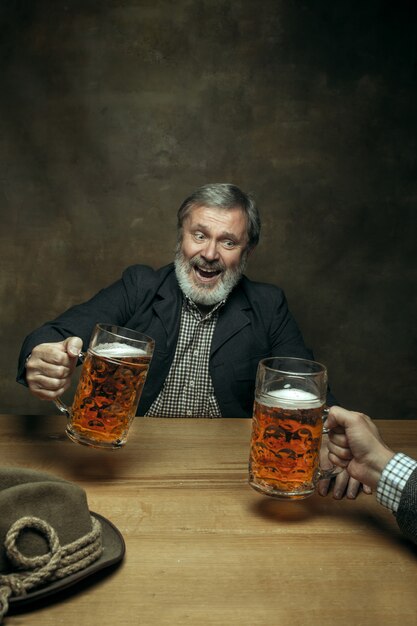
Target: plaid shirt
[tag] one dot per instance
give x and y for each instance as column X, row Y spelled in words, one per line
column 393, row 479
column 188, row 389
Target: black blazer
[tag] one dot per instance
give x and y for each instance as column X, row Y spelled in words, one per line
column 254, row 323
column 407, row 510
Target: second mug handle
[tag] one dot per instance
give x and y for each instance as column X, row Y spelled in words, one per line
column 61, row 406
column 58, row 402
column 334, row 470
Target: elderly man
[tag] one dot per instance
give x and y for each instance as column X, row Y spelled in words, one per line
column 211, row 324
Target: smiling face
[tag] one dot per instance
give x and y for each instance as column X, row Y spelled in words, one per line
column 212, row 253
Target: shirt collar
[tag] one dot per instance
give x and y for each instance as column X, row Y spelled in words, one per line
column 192, row 306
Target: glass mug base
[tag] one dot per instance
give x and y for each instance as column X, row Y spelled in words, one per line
column 279, row 494
column 92, row 443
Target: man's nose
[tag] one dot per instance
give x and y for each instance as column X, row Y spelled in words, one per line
column 210, row 251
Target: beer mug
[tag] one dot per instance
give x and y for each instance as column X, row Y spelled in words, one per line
column 287, row 427
column 110, row 386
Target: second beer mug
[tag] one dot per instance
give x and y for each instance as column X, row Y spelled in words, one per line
column 110, row 386
column 287, row 427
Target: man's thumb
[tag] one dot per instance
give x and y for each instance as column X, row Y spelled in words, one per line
column 73, row 346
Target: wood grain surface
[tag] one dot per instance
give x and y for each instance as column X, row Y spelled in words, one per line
column 203, row 548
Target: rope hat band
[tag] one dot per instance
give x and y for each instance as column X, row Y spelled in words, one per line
column 59, row 562
column 48, row 537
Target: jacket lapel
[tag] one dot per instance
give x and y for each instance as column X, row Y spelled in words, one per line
column 167, row 307
column 232, row 318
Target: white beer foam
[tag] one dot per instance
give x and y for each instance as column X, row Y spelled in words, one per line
column 291, row 398
column 117, row 350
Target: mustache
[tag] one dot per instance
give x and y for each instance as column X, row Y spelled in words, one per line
column 197, row 261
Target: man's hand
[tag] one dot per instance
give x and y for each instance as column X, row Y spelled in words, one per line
column 355, row 444
column 50, row 367
column 342, row 484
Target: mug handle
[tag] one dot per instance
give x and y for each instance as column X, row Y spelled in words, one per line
column 58, row 402
column 334, row 470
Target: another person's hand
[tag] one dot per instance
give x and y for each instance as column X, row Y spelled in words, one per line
column 343, row 484
column 356, row 445
column 50, row 366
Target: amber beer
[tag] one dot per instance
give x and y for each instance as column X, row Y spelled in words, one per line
column 108, row 394
column 285, row 445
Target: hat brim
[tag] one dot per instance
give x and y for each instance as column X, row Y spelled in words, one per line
column 114, row 549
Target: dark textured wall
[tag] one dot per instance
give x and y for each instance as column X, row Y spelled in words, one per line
column 112, row 111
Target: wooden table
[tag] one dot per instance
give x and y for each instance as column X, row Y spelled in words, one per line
column 203, row 548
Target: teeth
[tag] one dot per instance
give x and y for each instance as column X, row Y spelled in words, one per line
column 207, row 274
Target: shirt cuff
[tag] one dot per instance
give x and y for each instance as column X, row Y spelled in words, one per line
column 393, row 480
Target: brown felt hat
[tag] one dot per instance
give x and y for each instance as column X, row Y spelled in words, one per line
column 49, row 540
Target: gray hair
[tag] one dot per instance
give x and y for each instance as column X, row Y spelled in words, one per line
column 223, row 196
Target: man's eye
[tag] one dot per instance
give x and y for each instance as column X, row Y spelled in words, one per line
column 199, row 236
column 229, row 244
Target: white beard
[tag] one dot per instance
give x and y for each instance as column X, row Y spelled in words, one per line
column 208, row 295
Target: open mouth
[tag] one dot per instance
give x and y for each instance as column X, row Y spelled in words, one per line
column 207, row 275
